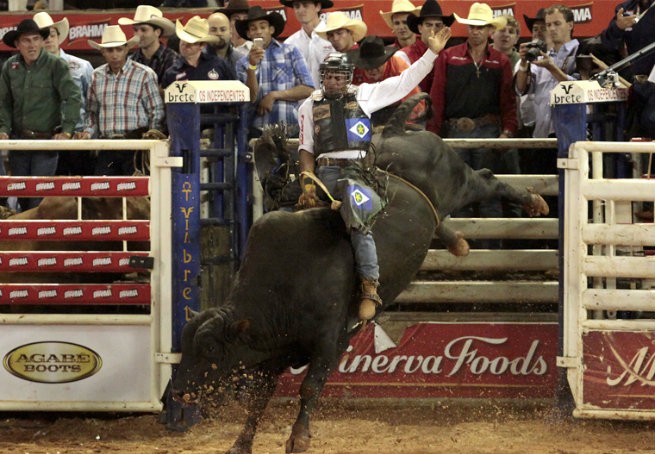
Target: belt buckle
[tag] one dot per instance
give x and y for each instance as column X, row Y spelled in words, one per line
column 29, row 135
column 465, row 124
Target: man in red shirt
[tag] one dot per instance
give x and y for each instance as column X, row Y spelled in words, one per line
column 472, row 93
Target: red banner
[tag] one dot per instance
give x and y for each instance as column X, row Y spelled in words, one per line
column 86, row 294
column 444, row 360
column 619, row 370
column 68, row 262
column 74, row 186
column 591, row 17
column 75, row 230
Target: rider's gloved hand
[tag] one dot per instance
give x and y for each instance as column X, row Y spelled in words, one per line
column 308, row 198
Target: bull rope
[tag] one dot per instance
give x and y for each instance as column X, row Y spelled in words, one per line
column 418, row 190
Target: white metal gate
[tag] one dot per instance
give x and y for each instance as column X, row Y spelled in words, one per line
column 609, row 286
column 65, row 360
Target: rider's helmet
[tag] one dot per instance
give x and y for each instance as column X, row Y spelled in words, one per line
column 336, row 65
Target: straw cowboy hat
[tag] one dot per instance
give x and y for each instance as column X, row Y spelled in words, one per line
column 274, row 18
column 26, row 27
column 43, row 20
column 399, row 6
column 480, row 14
column 325, row 4
column 371, row 53
column 196, row 30
column 149, row 15
column 429, row 9
column 233, row 7
column 541, row 17
column 113, row 36
column 338, row 20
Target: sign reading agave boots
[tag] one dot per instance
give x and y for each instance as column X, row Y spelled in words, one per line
column 52, row 362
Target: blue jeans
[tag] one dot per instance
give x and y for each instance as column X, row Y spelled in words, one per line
column 366, row 256
column 32, row 164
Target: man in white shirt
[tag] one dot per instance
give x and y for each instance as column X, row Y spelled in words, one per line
column 335, row 135
column 312, row 47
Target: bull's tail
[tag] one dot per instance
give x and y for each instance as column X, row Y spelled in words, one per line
column 396, row 124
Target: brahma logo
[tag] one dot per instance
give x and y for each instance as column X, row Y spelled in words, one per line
column 504, row 10
column 129, row 186
column 71, row 186
column 582, row 13
column 52, row 362
column 47, row 186
column 86, row 31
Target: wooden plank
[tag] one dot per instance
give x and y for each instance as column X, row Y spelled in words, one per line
column 501, row 228
column 493, row 260
column 622, row 267
column 618, row 300
column 623, row 235
column 480, row 292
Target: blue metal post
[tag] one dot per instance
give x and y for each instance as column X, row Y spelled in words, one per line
column 183, row 121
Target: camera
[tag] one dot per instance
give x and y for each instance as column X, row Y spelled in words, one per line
column 535, row 48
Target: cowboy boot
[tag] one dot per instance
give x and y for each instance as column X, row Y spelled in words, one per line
column 370, row 299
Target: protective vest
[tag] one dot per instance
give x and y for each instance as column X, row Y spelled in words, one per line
column 339, row 124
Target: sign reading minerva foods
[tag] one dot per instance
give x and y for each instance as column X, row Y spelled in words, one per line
column 444, row 360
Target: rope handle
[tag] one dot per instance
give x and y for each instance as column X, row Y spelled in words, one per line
column 312, row 176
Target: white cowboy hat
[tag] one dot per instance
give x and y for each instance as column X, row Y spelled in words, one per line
column 338, row 20
column 196, row 30
column 399, row 6
column 149, row 15
column 113, row 36
column 43, row 20
column 480, row 14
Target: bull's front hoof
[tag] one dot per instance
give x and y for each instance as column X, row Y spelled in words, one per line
column 537, row 206
column 299, row 440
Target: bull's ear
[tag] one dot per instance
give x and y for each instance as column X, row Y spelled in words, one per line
column 240, row 327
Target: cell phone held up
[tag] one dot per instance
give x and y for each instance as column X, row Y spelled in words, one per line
column 258, row 43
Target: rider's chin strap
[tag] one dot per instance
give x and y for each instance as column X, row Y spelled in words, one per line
column 335, row 204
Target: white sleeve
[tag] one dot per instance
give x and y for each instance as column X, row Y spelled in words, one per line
column 651, row 78
column 373, row 97
column 404, row 56
column 306, row 124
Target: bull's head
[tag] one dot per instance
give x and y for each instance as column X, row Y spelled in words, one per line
column 211, row 347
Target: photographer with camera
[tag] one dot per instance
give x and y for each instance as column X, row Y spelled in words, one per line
column 540, row 70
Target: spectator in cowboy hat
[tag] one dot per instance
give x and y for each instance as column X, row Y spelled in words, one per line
column 275, row 73
column 472, row 96
column 193, row 63
column 219, row 26
column 431, row 19
column 343, row 32
column 39, row 100
column 123, row 101
column 237, row 10
column 537, row 25
column 396, row 19
column 309, row 43
column 373, row 63
column 74, row 162
column 149, row 25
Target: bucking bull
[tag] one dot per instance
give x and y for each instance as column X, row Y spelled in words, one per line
column 296, row 295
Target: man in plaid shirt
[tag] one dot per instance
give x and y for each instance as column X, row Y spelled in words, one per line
column 123, row 101
column 275, row 73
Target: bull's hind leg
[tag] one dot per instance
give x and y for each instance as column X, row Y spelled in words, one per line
column 261, row 390
column 486, row 186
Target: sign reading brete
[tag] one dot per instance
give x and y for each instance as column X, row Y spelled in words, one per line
column 585, row 91
column 206, row 91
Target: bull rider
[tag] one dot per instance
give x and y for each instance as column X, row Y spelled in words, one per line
column 335, row 136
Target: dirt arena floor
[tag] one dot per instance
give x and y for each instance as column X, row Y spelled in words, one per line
column 358, row 429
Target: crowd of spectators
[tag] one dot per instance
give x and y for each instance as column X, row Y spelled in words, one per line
column 488, row 86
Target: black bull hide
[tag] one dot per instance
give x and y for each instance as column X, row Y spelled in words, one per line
column 296, row 294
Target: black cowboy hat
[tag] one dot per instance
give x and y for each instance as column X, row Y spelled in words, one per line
column 325, row 4
column 430, row 9
column 541, row 16
column 258, row 13
column 233, row 7
column 371, row 53
column 26, row 27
